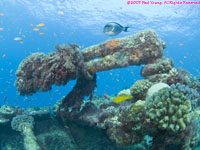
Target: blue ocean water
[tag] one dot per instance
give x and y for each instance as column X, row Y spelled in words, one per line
column 82, row 22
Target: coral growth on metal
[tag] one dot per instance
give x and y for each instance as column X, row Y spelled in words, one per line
column 129, row 121
column 41, row 71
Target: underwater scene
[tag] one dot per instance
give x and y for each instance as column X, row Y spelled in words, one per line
column 99, row 75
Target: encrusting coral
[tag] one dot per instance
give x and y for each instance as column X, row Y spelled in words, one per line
column 136, row 112
column 41, row 71
column 195, row 83
column 6, row 114
column 24, row 124
column 140, row 88
column 162, row 65
column 178, row 76
column 168, row 112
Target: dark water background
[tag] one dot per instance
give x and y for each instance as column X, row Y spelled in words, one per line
column 82, row 23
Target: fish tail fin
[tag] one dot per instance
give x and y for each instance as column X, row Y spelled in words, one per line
column 126, row 29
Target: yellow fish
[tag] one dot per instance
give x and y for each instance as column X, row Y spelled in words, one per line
column 120, row 99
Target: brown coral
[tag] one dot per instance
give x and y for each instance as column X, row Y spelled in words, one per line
column 163, row 65
column 40, row 71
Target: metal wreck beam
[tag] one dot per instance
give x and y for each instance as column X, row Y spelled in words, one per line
column 41, row 71
column 142, row 48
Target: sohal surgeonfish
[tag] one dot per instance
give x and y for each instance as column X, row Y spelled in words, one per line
column 113, row 28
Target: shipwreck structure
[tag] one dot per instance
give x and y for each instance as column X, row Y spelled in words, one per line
column 164, row 105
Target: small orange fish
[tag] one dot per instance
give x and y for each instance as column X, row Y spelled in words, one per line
column 31, row 25
column 1, row 14
column 36, row 29
column 61, row 12
column 42, row 33
column 81, row 46
column 4, row 55
column 1, row 29
column 181, row 44
column 40, row 25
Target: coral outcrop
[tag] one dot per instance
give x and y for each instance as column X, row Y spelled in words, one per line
column 41, row 71
column 178, row 76
column 169, row 109
column 142, row 48
column 24, row 124
column 156, row 87
column 140, row 88
column 162, row 65
column 165, row 106
column 6, row 114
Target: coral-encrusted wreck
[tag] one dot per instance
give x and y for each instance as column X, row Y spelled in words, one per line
column 164, row 107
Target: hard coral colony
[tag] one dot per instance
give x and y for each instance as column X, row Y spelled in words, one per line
column 162, row 106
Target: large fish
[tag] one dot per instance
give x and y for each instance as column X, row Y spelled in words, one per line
column 113, row 28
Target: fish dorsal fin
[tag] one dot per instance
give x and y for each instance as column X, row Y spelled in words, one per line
column 117, row 24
